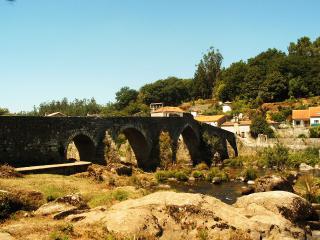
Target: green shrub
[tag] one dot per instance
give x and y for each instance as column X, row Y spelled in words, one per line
column 259, row 125
column 162, row 176
column 314, row 132
column 302, row 135
column 236, row 162
column 198, row 174
column 201, row 166
column 58, row 236
column 216, row 172
column 120, row 195
column 276, row 156
column 249, row 173
column 181, row 176
column 309, row 156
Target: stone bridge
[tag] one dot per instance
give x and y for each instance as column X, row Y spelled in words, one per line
column 28, row 141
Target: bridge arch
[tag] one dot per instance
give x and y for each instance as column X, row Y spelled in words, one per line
column 137, row 139
column 83, row 144
column 191, row 139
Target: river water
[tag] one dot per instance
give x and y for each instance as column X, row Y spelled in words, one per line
column 227, row 192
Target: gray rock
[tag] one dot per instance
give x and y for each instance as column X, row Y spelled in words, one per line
column 217, row 180
column 124, row 170
column 62, row 207
column 305, row 167
column 170, row 215
column 6, row 236
column 272, row 183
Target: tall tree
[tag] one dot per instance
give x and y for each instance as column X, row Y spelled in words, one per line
column 125, row 96
column 207, row 74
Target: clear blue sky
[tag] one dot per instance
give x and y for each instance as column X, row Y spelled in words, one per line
column 84, row 48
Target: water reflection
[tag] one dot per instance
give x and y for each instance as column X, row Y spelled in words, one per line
column 227, row 192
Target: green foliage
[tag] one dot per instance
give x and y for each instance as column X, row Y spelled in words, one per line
column 165, row 150
column 314, row 132
column 236, row 162
column 78, row 107
column 201, row 166
column 249, row 173
column 181, row 176
column 170, row 91
column 198, row 174
column 302, row 135
column 125, row 96
column 274, row 76
column 259, row 125
column 4, row 111
column 216, row 172
column 309, row 156
column 206, row 74
column 162, row 176
column 276, row 156
column 212, row 145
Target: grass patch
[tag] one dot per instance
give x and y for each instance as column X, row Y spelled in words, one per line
column 216, row 172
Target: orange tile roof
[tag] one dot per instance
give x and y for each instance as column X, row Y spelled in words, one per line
column 247, row 122
column 300, row 114
column 169, row 109
column 228, row 124
column 213, row 118
column 314, row 111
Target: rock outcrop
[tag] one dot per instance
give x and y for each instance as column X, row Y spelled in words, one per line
column 272, row 183
column 286, row 204
column 62, row 207
column 170, row 215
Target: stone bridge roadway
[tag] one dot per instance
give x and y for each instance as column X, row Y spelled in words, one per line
column 28, row 141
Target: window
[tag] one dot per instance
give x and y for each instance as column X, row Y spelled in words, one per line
column 298, row 122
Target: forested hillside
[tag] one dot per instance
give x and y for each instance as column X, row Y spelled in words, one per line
column 270, row 76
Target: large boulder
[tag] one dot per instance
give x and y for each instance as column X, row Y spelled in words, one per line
column 17, row 200
column 63, row 206
column 272, row 183
column 170, row 215
column 286, row 204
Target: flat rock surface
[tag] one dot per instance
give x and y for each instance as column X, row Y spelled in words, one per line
column 170, row 215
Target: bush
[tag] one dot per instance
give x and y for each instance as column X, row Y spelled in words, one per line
column 198, row 174
column 162, row 176
column 236, row 162
column 216, row 172
column 309, row 156
column 302, row 135
column 249, row 174
column 275, row 156
column 181, row 176
column 314, row 132
column 259, row 125
column 201, row 166
column 165, row 150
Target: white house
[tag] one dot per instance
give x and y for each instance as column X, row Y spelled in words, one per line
column 241, row 128
column 314, row 113
column 167, row 112
column 304, row 118
column 214, row 120
column 300, row 118
column 226, row 107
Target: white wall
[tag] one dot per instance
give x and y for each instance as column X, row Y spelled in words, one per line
column 314, row 120
column 226, row 108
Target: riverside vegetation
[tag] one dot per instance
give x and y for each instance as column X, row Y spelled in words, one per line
column 102, row 187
